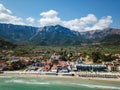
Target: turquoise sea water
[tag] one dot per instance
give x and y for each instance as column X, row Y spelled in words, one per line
column 43, row 83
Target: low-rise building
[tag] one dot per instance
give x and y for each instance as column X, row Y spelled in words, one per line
column 80, row 65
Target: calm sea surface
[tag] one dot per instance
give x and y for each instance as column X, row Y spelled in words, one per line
column 43, row 83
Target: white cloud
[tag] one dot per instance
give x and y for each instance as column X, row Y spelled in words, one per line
column 7, row 17
column 89, row 19
column 30, row 20
column 4, row 10
column 49, row 18
column 50, row 14
column 80, row 24
column 102, row 23
column 89, row 22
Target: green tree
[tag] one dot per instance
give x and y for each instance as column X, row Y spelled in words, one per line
column 96, row 56
column 108, row 58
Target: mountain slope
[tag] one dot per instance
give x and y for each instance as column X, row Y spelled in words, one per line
column 16, row 33
column 49, row 35
column 113, row 39
column 4, row 44
column 57, row 35
column 99, row 35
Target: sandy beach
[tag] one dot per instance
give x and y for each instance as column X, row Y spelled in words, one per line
column 39, row 75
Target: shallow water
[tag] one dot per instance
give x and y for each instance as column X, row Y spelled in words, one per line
column 43, row 83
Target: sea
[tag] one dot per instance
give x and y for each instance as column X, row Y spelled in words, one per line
column 56, row 83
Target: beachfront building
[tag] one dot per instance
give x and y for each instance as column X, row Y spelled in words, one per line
column 61, row 66
column 3, row 65
column 118, row 67
column 80, row 65
column 112, row 66
column 54, row 69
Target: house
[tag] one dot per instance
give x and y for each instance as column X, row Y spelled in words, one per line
column 38, row 58
column 41, row 52
column 15, row 59
column 89, row 67
column 55, row 56
column 113, row 66
column 47, row 67
column 38, row 64
column 3, row 65
column 118, row 67
column 65, row 69
column 110, row 66
column 79, row 61
column 54, row 68
column 33, row 68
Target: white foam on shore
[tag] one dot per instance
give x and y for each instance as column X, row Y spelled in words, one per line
column 5, row 76
column 26, row 82
column 98, row 86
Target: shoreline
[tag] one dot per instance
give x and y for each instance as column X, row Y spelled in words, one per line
column 56, row 76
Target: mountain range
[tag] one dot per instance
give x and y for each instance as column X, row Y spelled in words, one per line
column 56, row 35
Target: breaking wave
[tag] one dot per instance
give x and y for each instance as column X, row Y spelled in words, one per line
column 27, row 82
column 98, row 86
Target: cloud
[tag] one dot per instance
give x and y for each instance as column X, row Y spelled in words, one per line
column 89, row 19
column 30, row 20
column 102, row 23
column 4, row 10
column 50, row 14
column 81, row 23
column 49, row 18
column 89, row 22
column 7, row 17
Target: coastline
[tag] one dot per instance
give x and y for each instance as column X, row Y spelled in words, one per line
column 36, row 75
column 71, row 82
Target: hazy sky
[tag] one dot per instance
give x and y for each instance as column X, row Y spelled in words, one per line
column 75, row 14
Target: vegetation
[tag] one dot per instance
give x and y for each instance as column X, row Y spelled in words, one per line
column 113, row 39
column 96, row 52
column 96, row 56
column 4, row 44
column 108, row 58
column 90, row 54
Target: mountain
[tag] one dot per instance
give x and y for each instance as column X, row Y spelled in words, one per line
column 48, row 35
column 4, row 44
column 56, row 35
column 16, row 33
column 113, row 39
column 101, row 35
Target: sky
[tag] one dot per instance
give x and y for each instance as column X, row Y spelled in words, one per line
column 79, row 15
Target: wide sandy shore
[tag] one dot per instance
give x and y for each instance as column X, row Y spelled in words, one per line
column 35, row 75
